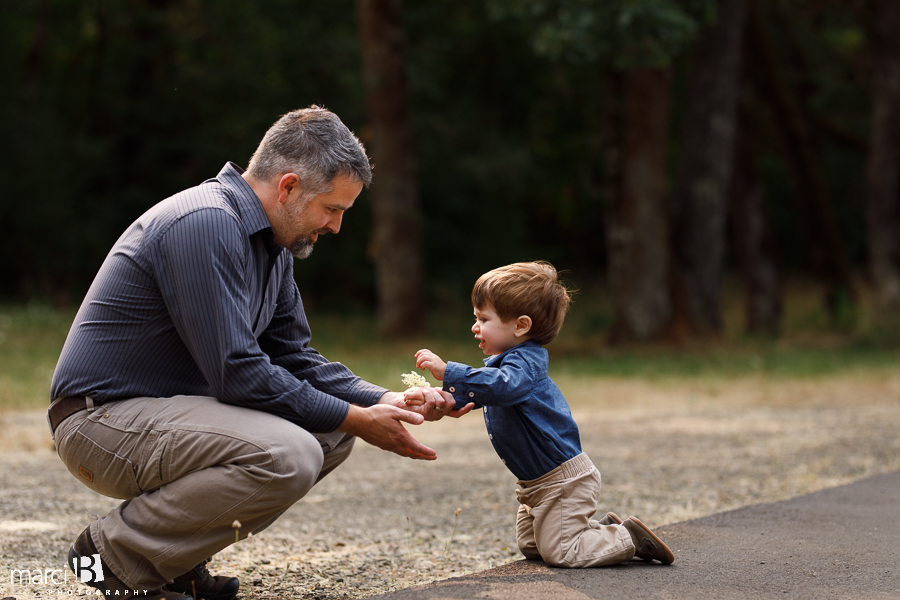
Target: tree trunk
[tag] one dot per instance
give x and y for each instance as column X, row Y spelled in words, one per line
column 700, row 194
column 882, row 166
column 396, row 242
column 635, row 211
column 828, row 257
column 754, row 241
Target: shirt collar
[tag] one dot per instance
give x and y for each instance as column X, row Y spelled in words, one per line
column 490, row 361
column 246, row 201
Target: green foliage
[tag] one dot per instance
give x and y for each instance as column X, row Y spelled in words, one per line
column 624, row 33
column 110, row 107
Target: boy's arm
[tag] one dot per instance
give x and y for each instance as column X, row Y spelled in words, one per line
column 426, row 359
column 506, row 385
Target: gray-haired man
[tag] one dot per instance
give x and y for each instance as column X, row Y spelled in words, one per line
column 187, row 386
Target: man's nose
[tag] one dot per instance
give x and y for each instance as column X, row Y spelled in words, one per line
column 334, row 223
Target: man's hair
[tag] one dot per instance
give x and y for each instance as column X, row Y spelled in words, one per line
column 316, row 145
column 526, row 288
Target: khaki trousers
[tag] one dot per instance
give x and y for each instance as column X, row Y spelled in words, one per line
column 187, row 468
column 554, row 520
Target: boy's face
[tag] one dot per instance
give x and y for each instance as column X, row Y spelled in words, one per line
column 496, row 336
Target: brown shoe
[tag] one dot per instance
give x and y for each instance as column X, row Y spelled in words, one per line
column 611, row 518
column 84, row 559
column 201, row 585
column 646, row 545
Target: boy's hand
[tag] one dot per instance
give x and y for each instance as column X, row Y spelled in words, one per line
column 426, row 359
column 433, row 404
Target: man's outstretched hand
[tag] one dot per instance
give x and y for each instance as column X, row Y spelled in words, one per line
column 382, row 426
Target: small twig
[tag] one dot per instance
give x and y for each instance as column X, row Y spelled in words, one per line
column 450, row 541
column 408, row 544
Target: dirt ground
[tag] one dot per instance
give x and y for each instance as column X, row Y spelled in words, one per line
column 668, row 451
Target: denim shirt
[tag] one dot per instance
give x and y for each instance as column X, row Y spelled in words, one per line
column 528, row 419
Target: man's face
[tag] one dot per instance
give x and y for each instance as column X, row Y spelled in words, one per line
column 305, row 220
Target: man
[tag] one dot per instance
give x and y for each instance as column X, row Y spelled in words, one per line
column 187, row 387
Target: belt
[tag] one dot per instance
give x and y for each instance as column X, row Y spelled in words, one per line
column 63, row 408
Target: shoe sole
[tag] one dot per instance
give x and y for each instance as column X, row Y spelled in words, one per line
column 669, row 556
column 228, row 593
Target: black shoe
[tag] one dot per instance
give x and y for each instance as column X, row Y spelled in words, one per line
column 199, row 583
column 84, row 559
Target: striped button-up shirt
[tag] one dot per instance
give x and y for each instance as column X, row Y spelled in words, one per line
column 196, row 298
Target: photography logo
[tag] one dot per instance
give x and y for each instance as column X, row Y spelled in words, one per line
column 88, row 568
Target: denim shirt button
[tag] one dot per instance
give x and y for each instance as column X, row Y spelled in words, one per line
column 452, row 389
column 471, row 394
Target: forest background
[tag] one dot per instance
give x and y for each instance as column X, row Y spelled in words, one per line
column 671, row 156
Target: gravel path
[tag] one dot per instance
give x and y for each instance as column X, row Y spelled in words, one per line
column 668, row 452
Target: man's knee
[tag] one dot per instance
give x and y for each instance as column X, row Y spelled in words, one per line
column 297, row 461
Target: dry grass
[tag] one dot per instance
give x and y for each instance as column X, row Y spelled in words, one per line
column 669, row 450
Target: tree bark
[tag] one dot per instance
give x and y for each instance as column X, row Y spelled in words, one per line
column 828, row 256
column 700, row 194
column 882, row 165
column 396, row 242
column 754, row 241
column 635, row 203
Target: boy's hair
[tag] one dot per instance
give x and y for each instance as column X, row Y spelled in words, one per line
column 526, row 288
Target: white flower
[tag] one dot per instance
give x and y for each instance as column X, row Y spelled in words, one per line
column 413, row 379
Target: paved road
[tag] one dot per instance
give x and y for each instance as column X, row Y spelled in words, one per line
column 841, row 543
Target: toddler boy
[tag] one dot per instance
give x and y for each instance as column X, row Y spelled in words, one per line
column 518, row 309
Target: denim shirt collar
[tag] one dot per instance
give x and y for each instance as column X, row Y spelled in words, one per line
column 493, row 361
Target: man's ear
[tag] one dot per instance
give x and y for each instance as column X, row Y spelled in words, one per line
column 288, row 187
column 523, row 325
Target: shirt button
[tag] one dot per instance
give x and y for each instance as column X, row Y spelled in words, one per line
column 452, row 389
column 503, row 460
column 490, row 437
column 471, row 394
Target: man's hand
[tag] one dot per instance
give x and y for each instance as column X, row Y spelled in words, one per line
column 382, row 426
column 426, row 359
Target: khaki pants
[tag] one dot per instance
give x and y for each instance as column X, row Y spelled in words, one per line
column 188, row 467
column 554, row 520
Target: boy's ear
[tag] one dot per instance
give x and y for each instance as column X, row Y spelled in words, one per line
column 523, row 325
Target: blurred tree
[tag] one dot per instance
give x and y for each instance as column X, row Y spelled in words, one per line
column 795, row 129
column 637, row 231
column 883, row 165
column 754, row 240
column 395, row 243
column 635, row 42
column 699, row 202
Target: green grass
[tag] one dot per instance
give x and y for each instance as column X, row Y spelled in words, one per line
column 810, row 345
column 31, row 338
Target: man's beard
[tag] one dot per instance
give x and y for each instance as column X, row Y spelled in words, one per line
column 302, row 247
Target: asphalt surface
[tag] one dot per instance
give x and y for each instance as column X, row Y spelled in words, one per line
column 842, row 542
